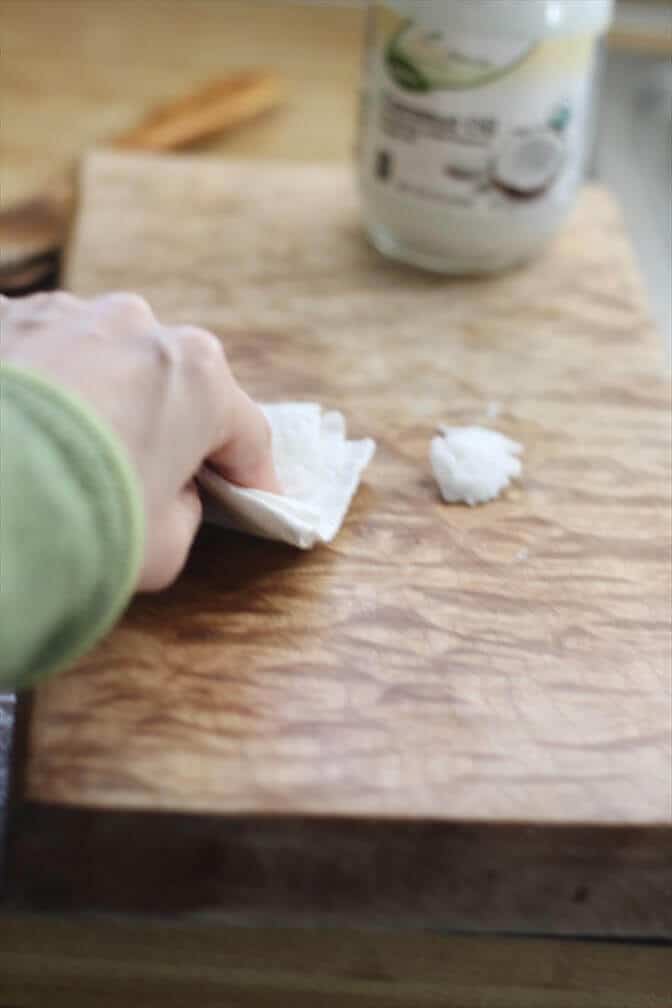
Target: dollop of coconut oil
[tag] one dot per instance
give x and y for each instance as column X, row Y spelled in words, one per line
column 473, row 128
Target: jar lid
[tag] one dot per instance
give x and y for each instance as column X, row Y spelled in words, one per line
column 526, row 18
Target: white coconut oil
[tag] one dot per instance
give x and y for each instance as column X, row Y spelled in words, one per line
column 473, row 126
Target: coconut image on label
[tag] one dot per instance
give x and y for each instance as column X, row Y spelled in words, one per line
column 422, row 60
column 527, row 164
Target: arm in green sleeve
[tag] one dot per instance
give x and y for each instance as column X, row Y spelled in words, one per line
column 71, row 529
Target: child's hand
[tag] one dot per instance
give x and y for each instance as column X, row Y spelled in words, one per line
column 167, row 392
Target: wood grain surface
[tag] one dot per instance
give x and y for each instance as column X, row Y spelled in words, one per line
column 502, row 664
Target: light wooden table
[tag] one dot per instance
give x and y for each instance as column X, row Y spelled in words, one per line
column 75, row 71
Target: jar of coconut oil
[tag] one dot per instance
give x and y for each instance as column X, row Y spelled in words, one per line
column 474, row 125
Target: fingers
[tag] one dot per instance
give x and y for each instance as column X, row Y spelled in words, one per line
column 245, row 456
column 222, row 424
column 167, row 393
column 33, row 313
column 130, row 310
column 42, row 306
column 240, row 444
column 107, row 316
column 169, row 540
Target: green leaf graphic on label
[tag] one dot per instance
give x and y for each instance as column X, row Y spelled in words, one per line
column 419, row 60
column 405, row 74
column 561, row 118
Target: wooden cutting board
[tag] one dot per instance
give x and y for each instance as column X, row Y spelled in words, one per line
column 505, row 667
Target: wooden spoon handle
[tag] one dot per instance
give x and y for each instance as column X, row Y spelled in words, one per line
column 221, row 105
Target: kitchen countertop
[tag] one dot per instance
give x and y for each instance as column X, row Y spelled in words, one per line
column 74, row 72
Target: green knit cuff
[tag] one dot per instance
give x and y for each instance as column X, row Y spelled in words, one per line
column 108, row 482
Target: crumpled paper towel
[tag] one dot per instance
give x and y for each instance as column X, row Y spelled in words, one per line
column 472, row 465
column 319, row 471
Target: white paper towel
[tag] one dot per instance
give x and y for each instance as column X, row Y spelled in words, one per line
column 319, row 471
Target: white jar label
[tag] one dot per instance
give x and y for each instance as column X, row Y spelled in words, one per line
column 476, row 121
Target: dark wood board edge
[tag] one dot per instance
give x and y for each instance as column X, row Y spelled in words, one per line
column 290, row 871
column 16, row 755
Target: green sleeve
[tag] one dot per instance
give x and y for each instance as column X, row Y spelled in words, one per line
column 71, row 529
